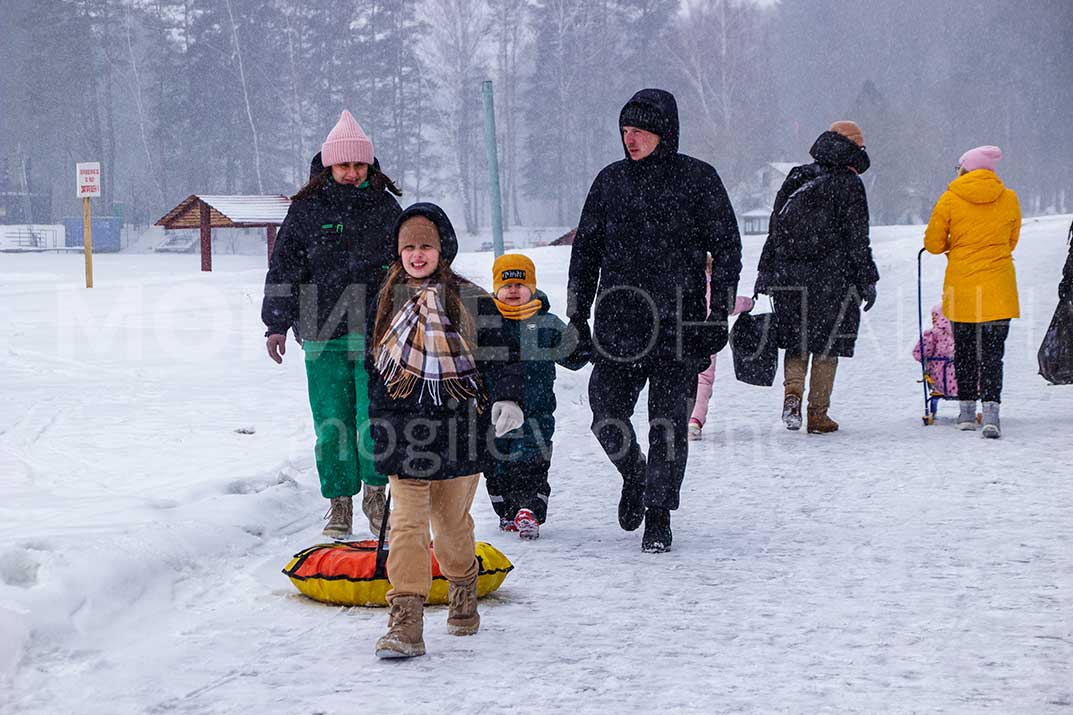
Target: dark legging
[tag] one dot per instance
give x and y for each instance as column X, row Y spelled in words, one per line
column 978, row 351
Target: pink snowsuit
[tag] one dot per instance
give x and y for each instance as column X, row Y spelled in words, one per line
column 742, row 304
column 939, row 350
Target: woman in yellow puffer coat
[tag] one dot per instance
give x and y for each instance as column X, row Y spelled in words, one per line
column 976, row 223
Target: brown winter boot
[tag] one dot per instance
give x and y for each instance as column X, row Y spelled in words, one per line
column 462, row 616
column 405, row 627
column 820, row 423
column 374, row 504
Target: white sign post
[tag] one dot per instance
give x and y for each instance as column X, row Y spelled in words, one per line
column 88, row 180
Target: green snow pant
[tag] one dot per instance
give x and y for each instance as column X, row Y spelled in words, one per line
column 339, row 399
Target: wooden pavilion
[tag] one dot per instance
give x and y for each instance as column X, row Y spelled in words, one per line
column 209, row 212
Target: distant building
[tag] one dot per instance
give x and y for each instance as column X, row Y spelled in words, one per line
column 755, row 222
column 757, row 194
column 567, row 239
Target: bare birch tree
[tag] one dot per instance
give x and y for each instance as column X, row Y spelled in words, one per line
column 246, row 99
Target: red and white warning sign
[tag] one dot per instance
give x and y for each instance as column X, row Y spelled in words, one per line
column 88, row 174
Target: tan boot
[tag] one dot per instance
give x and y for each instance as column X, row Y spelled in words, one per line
column 820, row 423
column 462, row 616
column 340, row 518
column 374, row 504
column 405, row 628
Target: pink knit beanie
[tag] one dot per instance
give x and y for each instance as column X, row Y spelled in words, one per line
column 346, row 142
column 982, row 157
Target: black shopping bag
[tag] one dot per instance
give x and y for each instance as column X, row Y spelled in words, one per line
column 752, row 343
column 1056, row 352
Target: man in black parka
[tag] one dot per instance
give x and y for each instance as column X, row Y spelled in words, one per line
column 817, row 265
column 640, row 254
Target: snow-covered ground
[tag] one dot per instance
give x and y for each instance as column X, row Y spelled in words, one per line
column 889, row 567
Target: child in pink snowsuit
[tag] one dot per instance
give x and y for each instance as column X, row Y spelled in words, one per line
column 939, row 352
column 742, row 304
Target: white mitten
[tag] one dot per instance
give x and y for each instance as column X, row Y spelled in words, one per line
column 506, row 416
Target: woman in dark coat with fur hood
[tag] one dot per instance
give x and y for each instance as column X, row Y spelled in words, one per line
column 817, row 266
column 1065, row 287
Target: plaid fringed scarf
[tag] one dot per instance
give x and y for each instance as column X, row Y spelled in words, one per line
column 421, row 346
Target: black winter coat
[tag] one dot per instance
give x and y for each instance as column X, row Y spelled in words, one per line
column 329, row 260
column 540, row 346
column 819, row 263
column 538, row 342
column 640, row 252
column 413, row 437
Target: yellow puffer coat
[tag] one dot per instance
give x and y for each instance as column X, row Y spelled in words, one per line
column 977, row 222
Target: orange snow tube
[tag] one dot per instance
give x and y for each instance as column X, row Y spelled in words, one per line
column 344, row 573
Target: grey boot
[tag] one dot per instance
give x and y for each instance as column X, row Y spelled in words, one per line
column 405, row 634
column 991, row 423
column 791, row 411
column 967, row 415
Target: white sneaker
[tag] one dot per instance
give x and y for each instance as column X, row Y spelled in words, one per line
column 694, row 430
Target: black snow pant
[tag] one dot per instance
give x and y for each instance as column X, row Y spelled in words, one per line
column 978, row 352
column 519, row 478
column 672, row 390
column 519, row 486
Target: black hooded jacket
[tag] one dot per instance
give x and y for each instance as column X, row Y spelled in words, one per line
column 641, row 244
column 329, row 260
column 416, row 438
column 817, row 257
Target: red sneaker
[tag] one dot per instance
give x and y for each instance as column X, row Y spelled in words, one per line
column 527, row 525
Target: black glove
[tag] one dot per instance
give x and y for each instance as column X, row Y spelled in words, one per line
column 868, row 296
column 763, row 283
column 584, row 351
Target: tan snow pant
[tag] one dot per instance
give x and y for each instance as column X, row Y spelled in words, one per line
column 823, row 378
column 415, row 505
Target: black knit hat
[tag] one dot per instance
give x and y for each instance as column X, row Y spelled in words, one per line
column 643, row 116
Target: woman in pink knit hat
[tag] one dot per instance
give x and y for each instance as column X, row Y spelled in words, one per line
column 328, row 262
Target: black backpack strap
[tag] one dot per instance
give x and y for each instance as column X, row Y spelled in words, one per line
column 381, row 552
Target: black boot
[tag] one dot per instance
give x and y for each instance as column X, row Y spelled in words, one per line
column 631, row 504
column 657, row 538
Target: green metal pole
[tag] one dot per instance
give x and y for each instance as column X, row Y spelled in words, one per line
column 493, row 168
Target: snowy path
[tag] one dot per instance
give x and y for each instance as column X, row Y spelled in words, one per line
column 888, row 567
